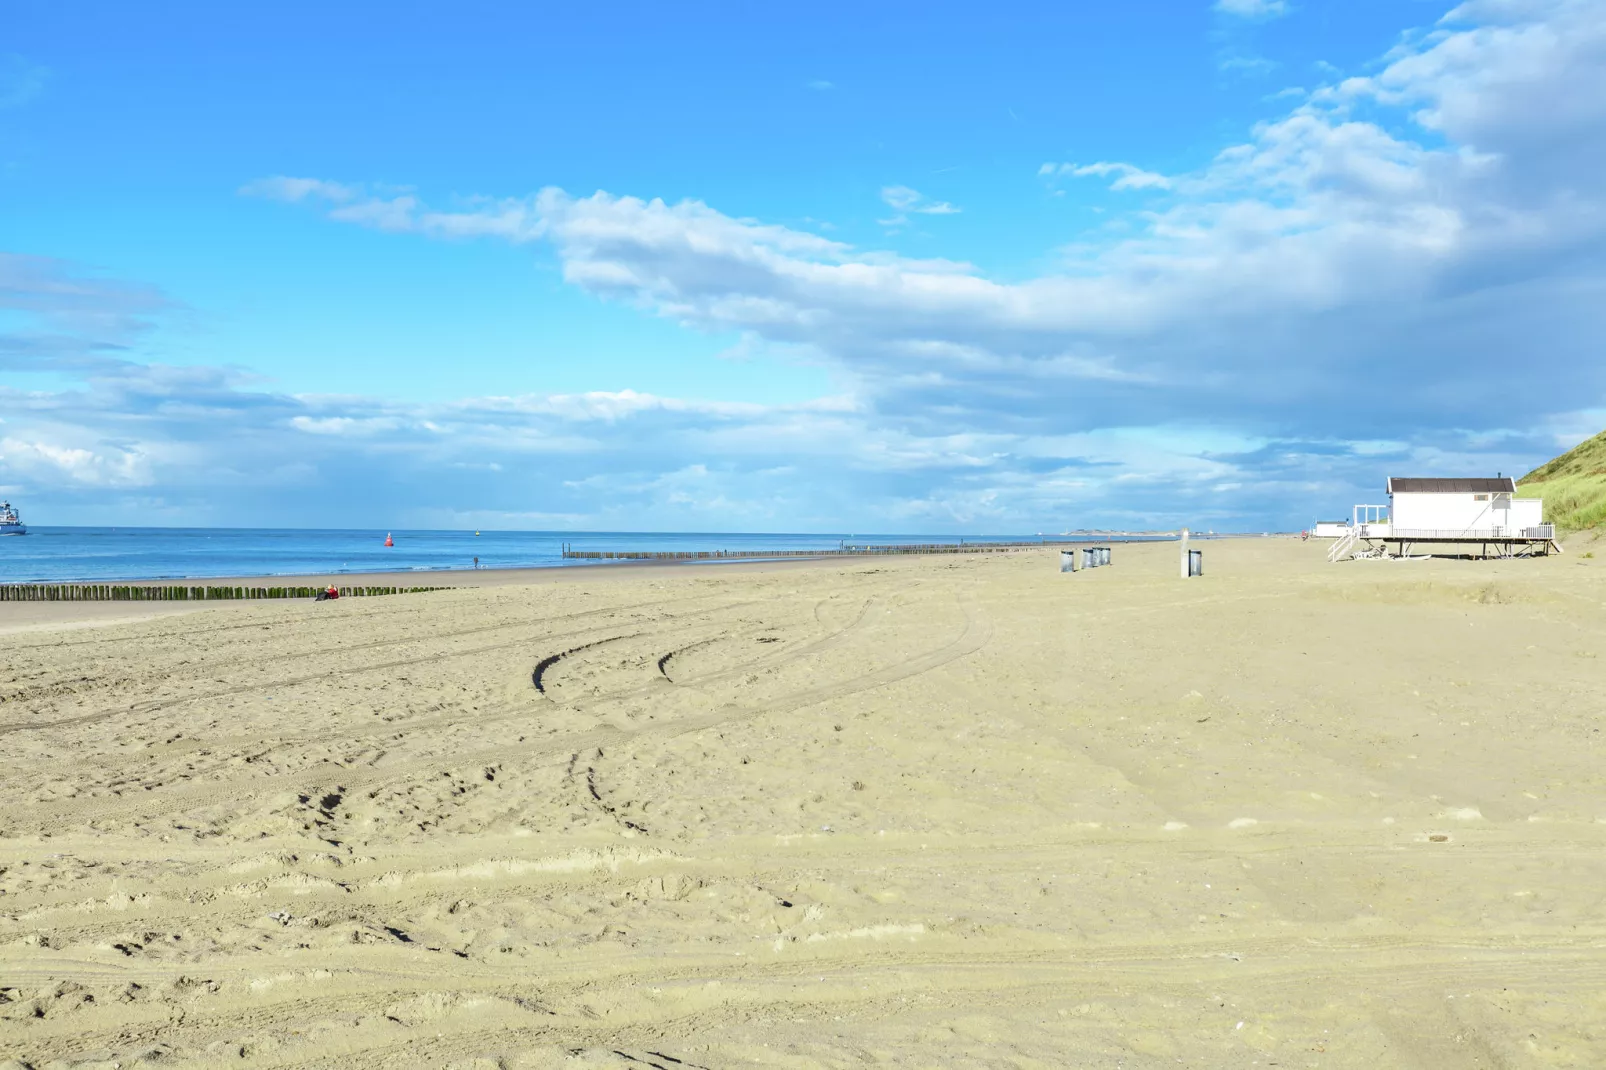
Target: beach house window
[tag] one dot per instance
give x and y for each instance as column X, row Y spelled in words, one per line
column 1480, row 497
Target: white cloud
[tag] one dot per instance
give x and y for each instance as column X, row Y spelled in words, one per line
column 199, row 445
column 142, row 438
column 36, row 460
column 513, row 219
column 1360, row 285
column 344, row 425
column 1250, row 66
column 1126, row 175
column 903, row 200
column 1253, row 9
column 284, row 188
column 1406, row 241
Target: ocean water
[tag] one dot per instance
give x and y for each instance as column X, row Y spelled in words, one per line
column 62, row 554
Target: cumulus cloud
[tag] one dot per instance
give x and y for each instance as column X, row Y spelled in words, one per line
column 1126, row 175
column 509, row 218
column 128, row 441
column 139, row 442
column 44, row 461
column 1253, row 9
column 1363, row 284
column 1366, row 265
column 1331, row 274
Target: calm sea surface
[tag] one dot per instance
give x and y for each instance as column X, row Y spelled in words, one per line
column 55, row 554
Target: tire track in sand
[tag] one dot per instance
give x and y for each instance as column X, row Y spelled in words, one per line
column 550, row 752
column 156, row 705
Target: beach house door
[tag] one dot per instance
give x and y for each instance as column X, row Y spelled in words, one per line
column 1500, row 513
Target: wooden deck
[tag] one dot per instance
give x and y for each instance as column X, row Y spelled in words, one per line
column 1378, row 538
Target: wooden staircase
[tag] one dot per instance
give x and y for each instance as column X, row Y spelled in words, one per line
column 1342, row 547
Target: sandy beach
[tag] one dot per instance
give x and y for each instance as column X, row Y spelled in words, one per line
column 956, row 811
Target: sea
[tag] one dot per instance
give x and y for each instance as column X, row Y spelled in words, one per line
column 70, row 554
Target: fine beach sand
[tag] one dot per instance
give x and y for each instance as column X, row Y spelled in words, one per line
column 946, row 811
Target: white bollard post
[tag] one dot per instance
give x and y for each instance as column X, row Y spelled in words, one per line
column 1184, row 553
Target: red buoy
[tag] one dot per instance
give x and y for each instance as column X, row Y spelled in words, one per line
column 388, row 540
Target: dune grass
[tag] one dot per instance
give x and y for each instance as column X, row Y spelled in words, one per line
column 1573, row 486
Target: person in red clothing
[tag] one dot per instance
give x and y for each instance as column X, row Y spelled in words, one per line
column 332, row 592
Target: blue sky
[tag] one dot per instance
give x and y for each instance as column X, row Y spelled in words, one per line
column 746, row 267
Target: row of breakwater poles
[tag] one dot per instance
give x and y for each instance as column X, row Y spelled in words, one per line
column 845, row 551
column 104, row 592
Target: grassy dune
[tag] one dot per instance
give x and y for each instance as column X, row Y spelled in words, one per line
column 1573, row 486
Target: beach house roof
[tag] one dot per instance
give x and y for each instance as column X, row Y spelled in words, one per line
column 1452, row 486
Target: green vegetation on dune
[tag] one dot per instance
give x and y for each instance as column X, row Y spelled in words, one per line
column 1573, row 486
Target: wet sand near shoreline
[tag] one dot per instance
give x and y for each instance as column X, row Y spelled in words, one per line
column 48, row 616
column 956, row 811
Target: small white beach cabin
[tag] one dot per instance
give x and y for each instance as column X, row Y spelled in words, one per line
column 1482, row 512
column 1330, row 529
column 1460, row 508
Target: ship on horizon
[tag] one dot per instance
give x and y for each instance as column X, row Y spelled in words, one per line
column 10, row 522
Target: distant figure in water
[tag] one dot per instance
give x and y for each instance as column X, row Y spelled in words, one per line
column 476, row 560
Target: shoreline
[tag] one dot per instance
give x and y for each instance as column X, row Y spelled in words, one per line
column 483, row 577
column 18, row 617
column 415, row 577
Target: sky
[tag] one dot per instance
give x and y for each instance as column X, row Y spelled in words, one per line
column 900, row 267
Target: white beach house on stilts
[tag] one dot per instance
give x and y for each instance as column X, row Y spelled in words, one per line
column 1463, row 512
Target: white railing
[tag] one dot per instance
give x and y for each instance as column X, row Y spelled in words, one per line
column 1343, row 546
column 1369, row 514
column 1543, row 531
